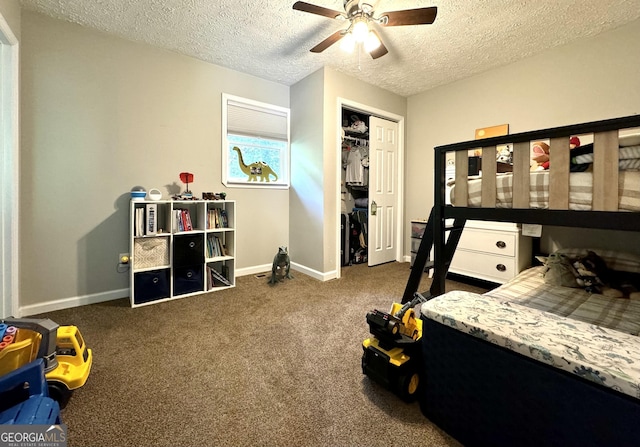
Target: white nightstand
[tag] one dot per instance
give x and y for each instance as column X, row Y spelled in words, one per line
column 491, row 251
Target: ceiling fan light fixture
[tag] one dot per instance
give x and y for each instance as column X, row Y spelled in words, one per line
column 360, row 16
column 348, row 43
column 360, row 30
column 372, row 42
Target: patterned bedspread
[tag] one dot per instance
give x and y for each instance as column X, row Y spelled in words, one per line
column 530, row 290
column 525, row 318
column 580, row 190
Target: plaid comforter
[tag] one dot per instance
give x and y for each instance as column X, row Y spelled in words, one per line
column 580, row 190
column 529, row 289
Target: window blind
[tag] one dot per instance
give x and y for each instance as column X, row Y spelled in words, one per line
column 254, row 121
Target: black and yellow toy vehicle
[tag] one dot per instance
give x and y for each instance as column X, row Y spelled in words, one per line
column 67, row 359
column 391, row 356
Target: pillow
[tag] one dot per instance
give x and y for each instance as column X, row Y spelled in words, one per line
column 558, row 270
column 615, row 260
column 629, row 140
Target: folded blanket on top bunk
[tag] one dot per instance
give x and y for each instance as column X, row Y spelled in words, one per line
column 580, row 190
column 628, row 158
column 628, row 155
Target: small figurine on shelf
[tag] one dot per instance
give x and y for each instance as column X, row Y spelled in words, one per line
column 214, row 195
column 186, row 177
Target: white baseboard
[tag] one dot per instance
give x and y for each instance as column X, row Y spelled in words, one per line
column 253, row 270
column 314, row 273
column 300, row 268
column 66, row 303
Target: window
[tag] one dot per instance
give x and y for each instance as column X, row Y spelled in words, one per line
column 255, row 142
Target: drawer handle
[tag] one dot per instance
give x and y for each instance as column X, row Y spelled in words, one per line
column 501, row 268
column 192, row 244
column 501, row 244
column 156, row 279
column 189, row 275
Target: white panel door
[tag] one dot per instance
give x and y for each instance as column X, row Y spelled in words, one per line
column 383, row 190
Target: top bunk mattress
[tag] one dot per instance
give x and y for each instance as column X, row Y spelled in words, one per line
column 580, row 191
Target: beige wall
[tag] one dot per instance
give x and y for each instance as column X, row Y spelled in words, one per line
column 307, row 209
column 101, row 115
column 10, row 10
column 593, row 79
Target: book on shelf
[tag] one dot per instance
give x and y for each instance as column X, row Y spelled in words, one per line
column 139, row 222
column 182, row 220
column 215, row 248
column 151, row 220
column 186, row 216
column 225, row 270
column 217, row 218
column 177, row 221
column 223, row 218
column 216, row 279
column 211, row 246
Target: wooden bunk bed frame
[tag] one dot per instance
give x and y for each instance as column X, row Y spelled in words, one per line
column 483, row 394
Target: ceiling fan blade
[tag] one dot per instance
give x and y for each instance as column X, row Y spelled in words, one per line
column 319, row 10
column 328, row 42
column 381, row 50
column 419, row 16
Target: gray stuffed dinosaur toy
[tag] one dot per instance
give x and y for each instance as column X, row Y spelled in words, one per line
column 281, row 266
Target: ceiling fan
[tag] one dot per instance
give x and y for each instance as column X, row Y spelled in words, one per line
column 360, row 30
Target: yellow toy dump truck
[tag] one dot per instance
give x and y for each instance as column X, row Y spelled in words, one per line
column 391, row 356
column 67, row 359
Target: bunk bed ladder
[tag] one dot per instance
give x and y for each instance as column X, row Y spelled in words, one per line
column 443, row 254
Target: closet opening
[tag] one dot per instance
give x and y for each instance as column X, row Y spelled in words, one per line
column 354, row 187
column 371, row 172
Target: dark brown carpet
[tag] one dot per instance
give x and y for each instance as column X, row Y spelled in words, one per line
column 256, row 365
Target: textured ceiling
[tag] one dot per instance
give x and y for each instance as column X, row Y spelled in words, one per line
column 268, row 39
